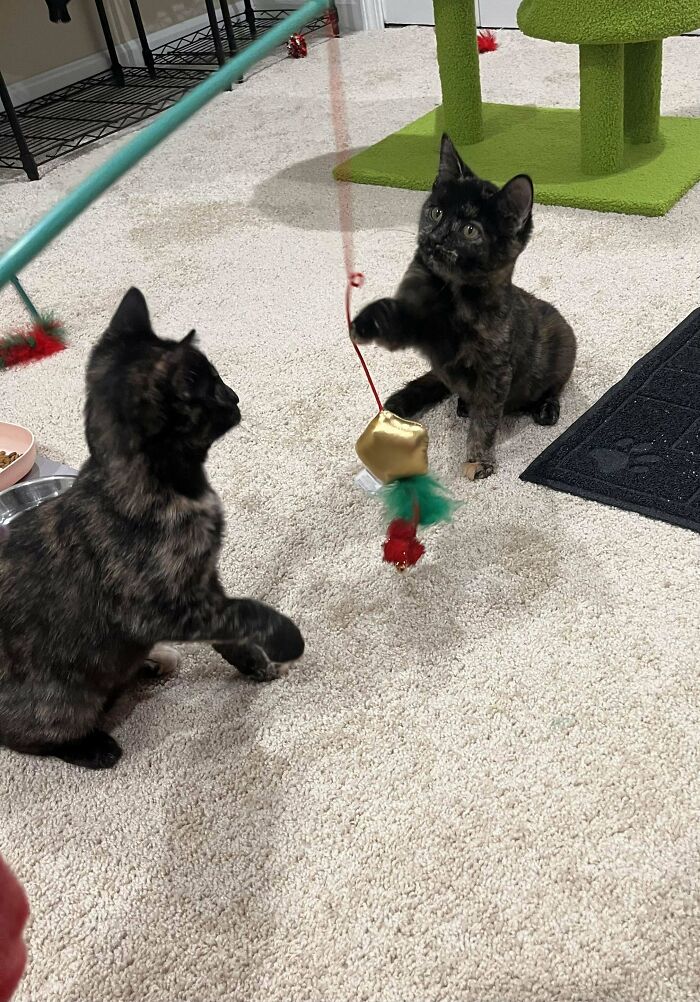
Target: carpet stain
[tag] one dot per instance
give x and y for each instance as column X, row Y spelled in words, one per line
column 182, row 223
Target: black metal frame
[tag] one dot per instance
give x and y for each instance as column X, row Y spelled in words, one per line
column 117, row 69
column 122, row 96
column 143, row 39
column 205, row 47
column 26, row 160
column 82, row 113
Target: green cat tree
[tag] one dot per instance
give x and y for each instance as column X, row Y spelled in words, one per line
column 615, row 153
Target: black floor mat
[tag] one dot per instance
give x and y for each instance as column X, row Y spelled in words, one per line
column 639, row 447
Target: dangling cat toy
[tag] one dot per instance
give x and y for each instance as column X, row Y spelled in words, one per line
column 395, row 452
column 393, row 449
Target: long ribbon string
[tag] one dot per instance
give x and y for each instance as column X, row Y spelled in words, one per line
column 355, row 279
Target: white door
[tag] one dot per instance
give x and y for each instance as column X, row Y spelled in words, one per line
column 409, row 12
column 489, row 13
column 498, row 13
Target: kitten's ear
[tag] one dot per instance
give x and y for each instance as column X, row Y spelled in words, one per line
column 452, row 167
column 132, row 316
column 516, row 198
column 190, row 338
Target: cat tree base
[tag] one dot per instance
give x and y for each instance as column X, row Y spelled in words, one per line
column 545, row 143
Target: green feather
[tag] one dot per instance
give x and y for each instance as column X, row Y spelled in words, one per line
column 423, row 494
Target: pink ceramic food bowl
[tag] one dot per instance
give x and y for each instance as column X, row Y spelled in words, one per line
column 15, row 438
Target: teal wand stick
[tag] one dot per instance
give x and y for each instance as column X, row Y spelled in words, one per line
column 28, row 304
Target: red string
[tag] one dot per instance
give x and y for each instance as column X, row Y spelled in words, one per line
column 355, row 278
column 356, row 281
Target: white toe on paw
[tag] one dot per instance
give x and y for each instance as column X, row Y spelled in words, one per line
column 478, row 470
column 164, row 659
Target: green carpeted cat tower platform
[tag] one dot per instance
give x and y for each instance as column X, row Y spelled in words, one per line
column 614, row 154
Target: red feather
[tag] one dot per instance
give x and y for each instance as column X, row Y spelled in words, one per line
column 297, row 47
column 401, row 546
column 486, row 40
column 38, row 341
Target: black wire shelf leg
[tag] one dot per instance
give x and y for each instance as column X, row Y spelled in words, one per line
column 250, row 18
column 143, row 39
column 228, row 25
column 25, row 155
column 117, row 71
column 216, row 37
column 230, row 34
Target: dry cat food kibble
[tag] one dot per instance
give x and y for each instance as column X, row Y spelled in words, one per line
column 6, row 459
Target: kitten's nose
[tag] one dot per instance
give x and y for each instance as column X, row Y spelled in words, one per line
column 227, row 396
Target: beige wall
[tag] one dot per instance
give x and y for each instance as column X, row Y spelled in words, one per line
column 30, row 44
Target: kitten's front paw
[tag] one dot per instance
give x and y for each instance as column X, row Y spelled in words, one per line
column 478, row 470
column 252, row 661
column 547, row 412
column 372, row 323
column 97, row 750
column 284, row 641
column 260, row 625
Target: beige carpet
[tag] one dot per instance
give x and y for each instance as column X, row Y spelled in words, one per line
column 481, row 784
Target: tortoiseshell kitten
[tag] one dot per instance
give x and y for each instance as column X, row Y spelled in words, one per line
column 496, row 347
column 91, row 581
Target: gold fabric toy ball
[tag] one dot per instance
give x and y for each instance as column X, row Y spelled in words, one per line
column 392, row 447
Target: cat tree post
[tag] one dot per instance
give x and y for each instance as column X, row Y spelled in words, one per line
column 643, row 90
column 602, row 96
column 458, row 62
column 620, row 54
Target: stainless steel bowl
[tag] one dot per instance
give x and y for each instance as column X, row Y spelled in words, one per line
column 29, row 494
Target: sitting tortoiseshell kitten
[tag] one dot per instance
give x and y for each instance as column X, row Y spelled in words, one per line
column 91, row 581
column 496, row 347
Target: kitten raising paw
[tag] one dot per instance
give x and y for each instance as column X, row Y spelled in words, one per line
column 495, row 347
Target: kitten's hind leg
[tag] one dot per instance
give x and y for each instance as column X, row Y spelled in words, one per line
column 97, row 750
column 251, row 660
column 546, row 411
column 161, row 662
column 417, row 396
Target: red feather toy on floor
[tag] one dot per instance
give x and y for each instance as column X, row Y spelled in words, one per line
column 297, row 47
column 42, row 337
column 486, row 41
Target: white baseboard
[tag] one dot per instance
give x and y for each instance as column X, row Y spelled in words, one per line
column 371, row 15
column 354, row 15
column 129, row 53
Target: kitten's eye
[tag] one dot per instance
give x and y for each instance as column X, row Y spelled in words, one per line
column 189, row 384
column 436, row 214
column 471, row 232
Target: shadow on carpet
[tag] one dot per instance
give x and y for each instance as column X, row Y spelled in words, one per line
column 638, row 448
